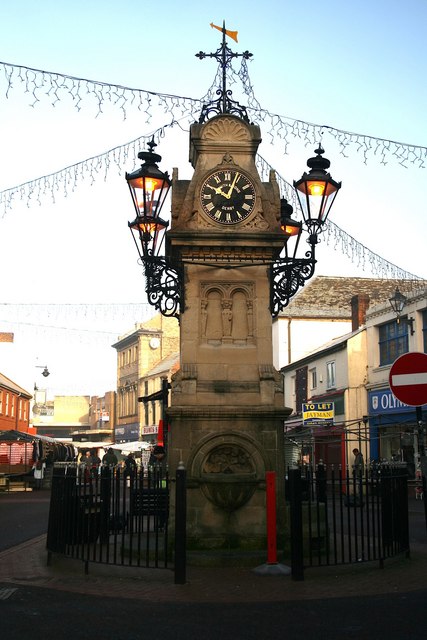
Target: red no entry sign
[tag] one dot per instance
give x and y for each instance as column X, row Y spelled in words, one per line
column 408, row 379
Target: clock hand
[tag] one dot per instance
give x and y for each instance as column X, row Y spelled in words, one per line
column 219, row 191
column 228, row 195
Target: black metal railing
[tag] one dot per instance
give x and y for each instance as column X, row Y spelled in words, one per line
column 114, row 518
column 343, row 517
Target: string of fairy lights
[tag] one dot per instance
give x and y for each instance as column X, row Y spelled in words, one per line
column 41, row 85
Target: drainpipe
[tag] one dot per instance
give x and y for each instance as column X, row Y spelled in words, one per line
column 289, row 341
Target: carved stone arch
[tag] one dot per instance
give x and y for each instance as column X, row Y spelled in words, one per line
column 212, row 313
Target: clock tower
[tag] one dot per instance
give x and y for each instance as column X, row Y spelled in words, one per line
column 227, row 410
column 224, row 275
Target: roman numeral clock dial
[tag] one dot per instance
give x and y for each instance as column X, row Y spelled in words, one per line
column 228, row 196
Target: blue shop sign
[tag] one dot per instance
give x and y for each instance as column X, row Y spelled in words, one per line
column 127, row 432
column 384, row 401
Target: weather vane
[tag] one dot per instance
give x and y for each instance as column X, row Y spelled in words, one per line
column 224, row 56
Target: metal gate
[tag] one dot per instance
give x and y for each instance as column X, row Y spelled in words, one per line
column 110, row 517
column 341, row 517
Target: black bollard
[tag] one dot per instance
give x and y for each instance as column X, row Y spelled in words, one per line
column 180, row 525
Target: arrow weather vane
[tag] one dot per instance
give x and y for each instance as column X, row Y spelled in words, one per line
column 224, row 56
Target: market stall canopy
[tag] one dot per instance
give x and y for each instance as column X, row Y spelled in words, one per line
column 12, row 435
column 92, row 445
column 127, row 447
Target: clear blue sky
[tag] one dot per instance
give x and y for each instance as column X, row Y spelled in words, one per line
column 359, row 67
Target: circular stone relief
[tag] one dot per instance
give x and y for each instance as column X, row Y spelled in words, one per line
column 228, row 476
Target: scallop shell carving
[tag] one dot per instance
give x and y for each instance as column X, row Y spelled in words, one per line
column 226, row 129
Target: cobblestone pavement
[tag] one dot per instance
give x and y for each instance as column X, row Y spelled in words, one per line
column 26, row 564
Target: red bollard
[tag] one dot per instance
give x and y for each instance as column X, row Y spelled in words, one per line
column 271, row 567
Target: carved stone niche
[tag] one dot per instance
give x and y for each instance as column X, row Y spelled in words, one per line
column 228, row 468
column 226, row 312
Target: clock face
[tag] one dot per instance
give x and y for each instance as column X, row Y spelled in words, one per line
column 228, row 196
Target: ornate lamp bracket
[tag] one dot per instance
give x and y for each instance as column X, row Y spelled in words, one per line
column 287, row 276
column 164, row 285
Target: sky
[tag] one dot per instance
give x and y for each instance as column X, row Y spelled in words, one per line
column 70, row 280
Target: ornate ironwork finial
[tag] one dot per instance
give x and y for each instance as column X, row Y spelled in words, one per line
column 224, row 56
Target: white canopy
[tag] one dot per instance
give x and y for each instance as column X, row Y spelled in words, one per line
column 92, row 445
column 126, row 447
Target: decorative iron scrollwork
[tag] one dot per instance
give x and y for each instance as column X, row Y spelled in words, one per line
column 224, row 104
column 164, row 285
column 287, row 277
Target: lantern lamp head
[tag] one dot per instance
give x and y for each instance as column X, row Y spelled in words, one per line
column 316, row 191
column 149, row 188
column 398, row 302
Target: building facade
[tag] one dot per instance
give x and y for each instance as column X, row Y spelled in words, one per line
column 352, row 372
column 103, row 411
column 14, row 406
column 333, row 378
column 144, row 355
column 59, row 417
column 393, row 428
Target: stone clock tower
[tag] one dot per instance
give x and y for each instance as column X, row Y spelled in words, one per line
column 227, row 412
column 223, row 275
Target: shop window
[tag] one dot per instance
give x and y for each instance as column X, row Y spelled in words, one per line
column 330, row 375
column 393, row 341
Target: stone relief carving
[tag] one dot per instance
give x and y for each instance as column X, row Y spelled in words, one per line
column 229, row 472
column 258, row 223
column 226, row 129
column 228, row 459
column 226, row 313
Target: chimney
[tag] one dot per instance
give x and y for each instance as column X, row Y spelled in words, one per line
column 359, row 306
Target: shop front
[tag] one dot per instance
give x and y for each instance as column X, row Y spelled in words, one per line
column 393, row 429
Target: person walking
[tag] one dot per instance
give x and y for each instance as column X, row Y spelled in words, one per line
column 358, row 463
column 358, row 472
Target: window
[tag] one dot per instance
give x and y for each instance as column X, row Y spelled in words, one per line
column 7, row 404
column 424, row 332
column 330, row 375
column 393, row 341
column 300, row 388
column 313, row 378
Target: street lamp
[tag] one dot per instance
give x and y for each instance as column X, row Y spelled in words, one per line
column 316, row 192
column 149, row 188
column 45, row 372
column 397, row 303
